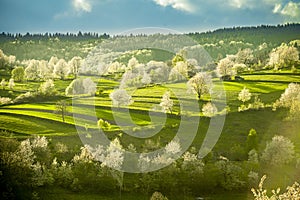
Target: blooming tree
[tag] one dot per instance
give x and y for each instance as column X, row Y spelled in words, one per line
column 120, row 97
column 3, row 84
column 283, row 55
column 279, row 151
column 146, row 79
column 115, row 67
column 179, row 72
column 292, row 192
column 245, row 56
column 200, row 84
column 244, row 95
column 225, row 67
column 47, row 88
column 132, row 63
column 5, row 100
column 52, row 62
column 166, row 102
column 89, row 86
column 81, row 86
column 290, row 99
column 74, row 64
column 173, row 147
column 114, row 155
column 32, row 70
column 60, row 69
column 43, row 71
column 209, row 109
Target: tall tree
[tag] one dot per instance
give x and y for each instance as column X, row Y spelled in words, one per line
column 200, row 84
column 120, row 97
column 61, row 108
column 74, row 65
column 166, row 102
column 60, row 69
column 11, row 84
column 283, row 56
column 3, row 84
column 18, row 74
column 225, row 67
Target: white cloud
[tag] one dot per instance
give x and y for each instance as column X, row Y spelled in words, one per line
column 291, row 9
column 82, row 5
column 277, row 8
column 184, row 5
column 237, row 3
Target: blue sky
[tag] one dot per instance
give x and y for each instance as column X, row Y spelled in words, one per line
column 115, row 16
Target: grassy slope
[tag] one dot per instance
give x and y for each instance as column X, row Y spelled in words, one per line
column 39, row 118
column 27, row 119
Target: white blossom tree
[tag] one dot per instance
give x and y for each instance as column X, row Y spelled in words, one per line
column 200, row 84
column 74, row 64
column 89, row 86
column 245, row 56
column 209, row 109
column 11, row 83
column 3, row 84
column 173, row 147
column 32, row 70
column 283, row 55
column 244, row 95
column 166, row 102
column 115, row 67
column 132, row 63
column 279, row 151
column 43, row 71
column 146, row 79
column 114, row 155
column 239, row 68
column 120, row 97
column 225, row 67
column 60, row 69
column 179, row 72
column 290, row 99
column 81, row 86
column 47, row 88
column 52, row 62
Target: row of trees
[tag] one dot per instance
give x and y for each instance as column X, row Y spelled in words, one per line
column 35, row 163
column 280, row 57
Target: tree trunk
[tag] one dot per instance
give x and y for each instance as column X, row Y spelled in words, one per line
column 199, row 96
column 63, row 115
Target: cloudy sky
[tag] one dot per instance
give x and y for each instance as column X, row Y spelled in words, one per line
column 115, row 16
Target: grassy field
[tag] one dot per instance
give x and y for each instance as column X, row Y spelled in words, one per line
column 39, row 118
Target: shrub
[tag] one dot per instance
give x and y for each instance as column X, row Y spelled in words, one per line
column 252, row 140
column 5, row 100
column 233, row 176
column 158, row 196
column 26, row 97
column 104, row 125
column 18, row 74
column 292, row 193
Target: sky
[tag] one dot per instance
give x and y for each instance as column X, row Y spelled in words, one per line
column 116, row 16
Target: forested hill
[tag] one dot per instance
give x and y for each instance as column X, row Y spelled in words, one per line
column 218, row 43
column 254, row 34
column 261, row 39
